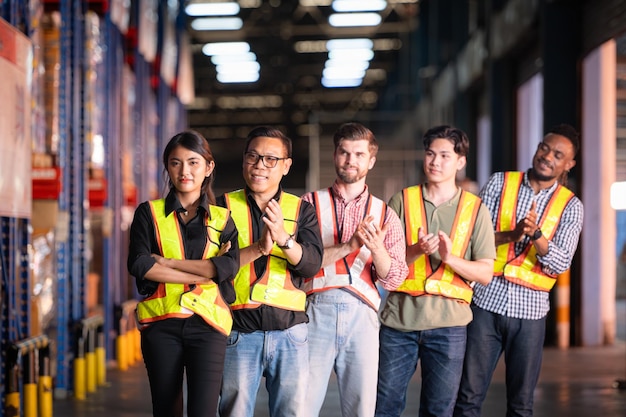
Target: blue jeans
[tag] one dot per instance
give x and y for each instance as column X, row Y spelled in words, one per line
column 343, row 336
column 281, row 356
column 441, row 353
column 488, row 335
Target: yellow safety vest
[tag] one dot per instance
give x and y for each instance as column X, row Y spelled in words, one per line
column 275, row 287
column 442, row 281
column 183, row 300
column 525, row 269
column 353, row 272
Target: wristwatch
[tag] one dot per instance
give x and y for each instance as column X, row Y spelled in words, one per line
column 288, row 243
column 536, row 235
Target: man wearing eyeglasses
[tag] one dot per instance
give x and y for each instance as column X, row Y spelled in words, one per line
column 363, row 245
column 537, row 223
column 280, row 245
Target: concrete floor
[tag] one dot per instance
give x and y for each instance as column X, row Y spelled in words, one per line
column 575, row 382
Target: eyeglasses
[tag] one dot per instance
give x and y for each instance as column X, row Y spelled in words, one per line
column 252, row 158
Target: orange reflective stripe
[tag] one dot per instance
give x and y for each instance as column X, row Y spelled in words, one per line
column 177, row 300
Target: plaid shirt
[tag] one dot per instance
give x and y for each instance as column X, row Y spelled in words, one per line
column 513, row 300
column 349, row 216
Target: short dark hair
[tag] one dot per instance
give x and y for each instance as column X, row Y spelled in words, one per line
column 568, row 132
column 458, row 138
column 355, row 131
column 195, row 142
column 269, row 132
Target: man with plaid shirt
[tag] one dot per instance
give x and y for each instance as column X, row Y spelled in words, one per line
column 537, row 225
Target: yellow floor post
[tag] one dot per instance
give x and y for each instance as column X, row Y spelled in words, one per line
column 44, row 384
column 138, row 353
column 80, row 387
column 12, row 396
column 30, row 384
column 101, row 365
column 121, row 350
column 130, row 347
column 90, row 359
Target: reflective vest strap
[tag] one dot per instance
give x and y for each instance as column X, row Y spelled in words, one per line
column 336, row 274
column 215, row 225
column 469, row 204
column 527, row 278
column 507, row 217
column 553, row 212
column 414, row 218
column 167, row 227
column 290, row 206
column 238, row 205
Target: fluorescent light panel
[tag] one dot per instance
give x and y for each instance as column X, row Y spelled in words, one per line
column 353, row 43
column 217, row 23
column 354, row 19
column 351, row 54
column 241, row 77
column 212, row 9
column 336, row 83
column 334, row 63
column 234, row 67
column 225, row 48
column 359, row 5
column 223, row 59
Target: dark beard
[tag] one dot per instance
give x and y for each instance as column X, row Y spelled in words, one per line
column 539, row 177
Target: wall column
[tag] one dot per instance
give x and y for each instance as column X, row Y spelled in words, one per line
column 598, row 173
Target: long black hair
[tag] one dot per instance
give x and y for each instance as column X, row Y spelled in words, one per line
column 195, row 142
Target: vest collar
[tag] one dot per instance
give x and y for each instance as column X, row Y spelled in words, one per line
column 173, row 204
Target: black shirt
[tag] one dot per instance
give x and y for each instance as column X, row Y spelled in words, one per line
column 308, row 236
column 143, row 243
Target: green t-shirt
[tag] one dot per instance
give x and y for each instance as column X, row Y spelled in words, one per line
column 404, row 312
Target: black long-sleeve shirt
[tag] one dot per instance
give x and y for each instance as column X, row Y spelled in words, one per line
column 143, row 243
column 308, row 236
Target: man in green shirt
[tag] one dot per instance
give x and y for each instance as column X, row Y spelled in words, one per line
column 450, row 244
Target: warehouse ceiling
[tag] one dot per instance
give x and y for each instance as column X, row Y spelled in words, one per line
column 289, row 39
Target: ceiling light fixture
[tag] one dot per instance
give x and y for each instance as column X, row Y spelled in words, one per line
column 351, row 54
column 337, row 83
column 342, row 73
column 354, row 19
column 217, row 23
column 225, row 48
column 234, row 67
column 354, row 43
column 359, row 5
column 212, row 9
column 223, row 59
column 241, row 77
